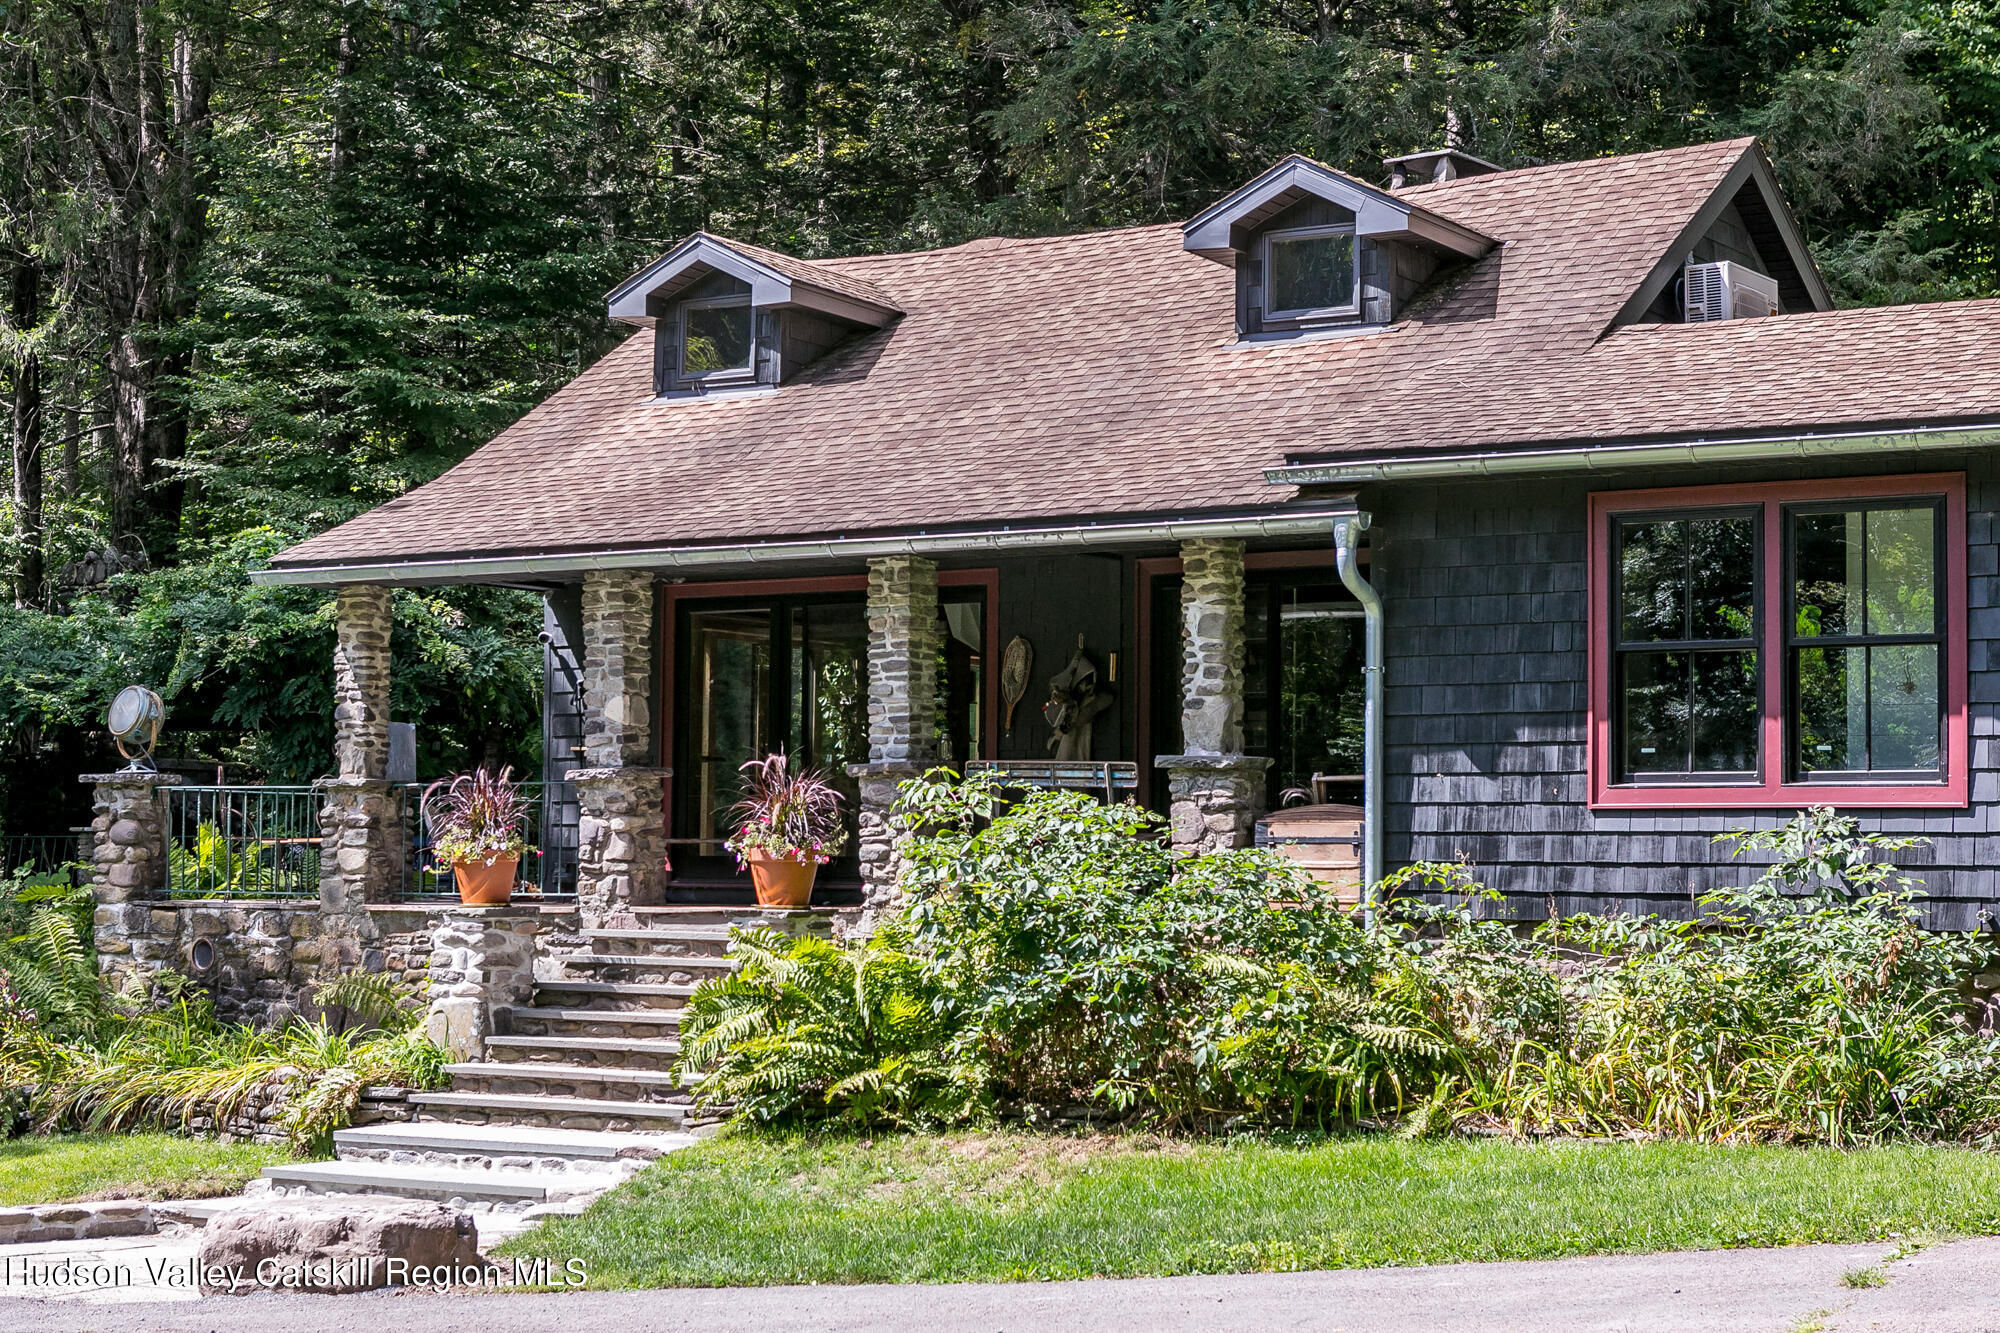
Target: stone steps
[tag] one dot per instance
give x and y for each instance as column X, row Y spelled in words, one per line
column 614, row 996
column 518, row 1111
column 458, row 1187
column 669, row 942
column 529, row 1078
column 650, row 969
column 527, row 1021
column 624, row 1052
column 503, row 1148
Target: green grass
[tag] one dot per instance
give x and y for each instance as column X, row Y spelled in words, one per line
column 70, row 1167
column 760, row 1209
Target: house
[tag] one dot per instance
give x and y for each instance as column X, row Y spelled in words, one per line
column 1646, row 539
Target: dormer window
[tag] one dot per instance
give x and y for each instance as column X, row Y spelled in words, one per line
column 1312, row 273
column 717, row 338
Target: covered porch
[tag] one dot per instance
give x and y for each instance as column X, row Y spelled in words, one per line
column 1203, row 667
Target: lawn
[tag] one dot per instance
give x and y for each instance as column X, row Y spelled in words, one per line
column 71, row 1167
column 756, row 1209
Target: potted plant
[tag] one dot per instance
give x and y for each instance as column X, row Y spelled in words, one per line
column 788, row 827
column 476, row 821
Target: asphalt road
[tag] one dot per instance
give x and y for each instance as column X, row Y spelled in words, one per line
column 1951, row 1288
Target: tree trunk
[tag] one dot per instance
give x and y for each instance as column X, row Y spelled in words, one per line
column 25, row 302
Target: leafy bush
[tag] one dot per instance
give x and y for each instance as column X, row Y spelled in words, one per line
column 1052, row 953
column 808, row 1029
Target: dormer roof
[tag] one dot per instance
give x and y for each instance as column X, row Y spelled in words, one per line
column 775, row 280
column 1224, row 229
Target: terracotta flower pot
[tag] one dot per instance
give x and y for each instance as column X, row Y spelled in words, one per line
column 782, row 881
column 484, row 885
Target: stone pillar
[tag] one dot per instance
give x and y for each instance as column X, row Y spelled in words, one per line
column 135, row 931
column 360, row 817
column 1216, row 791
column 621, row 794
column 361, row 681
column 903, row 642
column 482, row 961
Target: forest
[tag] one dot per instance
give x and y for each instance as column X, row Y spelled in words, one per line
column 268, row 264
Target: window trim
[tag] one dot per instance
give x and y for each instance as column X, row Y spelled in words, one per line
column 1773, row 787
column 745, row 373
column 1352, row 308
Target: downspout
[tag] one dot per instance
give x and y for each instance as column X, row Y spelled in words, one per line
column 1346, row 539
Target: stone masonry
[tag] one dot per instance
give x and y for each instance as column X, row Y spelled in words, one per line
column 621, row 795
column 361, row 681
column 129, row 874
column 361, row 843
column 617, row 669
column 482, row 959
column 903, row 642
column 1215, row 790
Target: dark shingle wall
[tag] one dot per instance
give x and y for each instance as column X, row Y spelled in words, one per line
column 1484, row 585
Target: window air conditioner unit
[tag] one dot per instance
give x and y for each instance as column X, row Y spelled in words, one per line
column 1726, row 291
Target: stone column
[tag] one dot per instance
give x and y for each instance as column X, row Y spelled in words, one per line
column 482, row 961
column 1216, row 791
column 360, row 817
column 903, row 642
column 135, row 931
column 621, row 794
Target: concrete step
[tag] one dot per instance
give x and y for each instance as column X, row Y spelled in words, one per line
column 674, row 941
column 794, row 919
column 623, row 1052
column 613, row 996
column 486, row 1108
column 537, row 1078
column 648, row 969
column 500, row 1147
column 554, row 1022
column 444, row 1184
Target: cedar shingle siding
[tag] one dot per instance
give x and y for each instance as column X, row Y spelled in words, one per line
column 1483, row 585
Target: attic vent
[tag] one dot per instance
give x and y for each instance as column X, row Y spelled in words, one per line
column 1724, row 290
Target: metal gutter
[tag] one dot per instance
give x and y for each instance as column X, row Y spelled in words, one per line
column 1346, row 542
column 1287, row 523
column 1620, row 457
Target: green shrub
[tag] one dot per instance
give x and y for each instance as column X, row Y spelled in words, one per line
column 809, row 1029
column 1052, row 953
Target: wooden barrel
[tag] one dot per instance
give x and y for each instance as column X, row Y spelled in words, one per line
column 1324, row 839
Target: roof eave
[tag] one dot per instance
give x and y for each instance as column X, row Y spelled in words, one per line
column 626, row 304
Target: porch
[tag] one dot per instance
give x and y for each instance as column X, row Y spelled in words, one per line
column 1203, row 677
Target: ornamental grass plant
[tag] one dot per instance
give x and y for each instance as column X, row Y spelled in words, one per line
column 1053, row 959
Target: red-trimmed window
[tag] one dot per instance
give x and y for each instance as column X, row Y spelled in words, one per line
column 1789, row 644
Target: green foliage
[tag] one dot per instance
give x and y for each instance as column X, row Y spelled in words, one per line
column 1053, row 955
column 808, row 1029
column 48, row 964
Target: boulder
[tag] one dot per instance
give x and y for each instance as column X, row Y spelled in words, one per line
column 334, row 1244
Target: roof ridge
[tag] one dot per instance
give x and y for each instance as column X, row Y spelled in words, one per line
column 1490, row 178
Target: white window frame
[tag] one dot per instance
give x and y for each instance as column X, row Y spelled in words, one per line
column 1305, row 234
column 746, row 371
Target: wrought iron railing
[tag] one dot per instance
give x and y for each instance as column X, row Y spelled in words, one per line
column 45, row 858
column 242, row 842
column 548, row 868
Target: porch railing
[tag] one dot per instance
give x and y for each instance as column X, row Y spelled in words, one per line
column 45, row 858
column 242, row 842
column 548, row 868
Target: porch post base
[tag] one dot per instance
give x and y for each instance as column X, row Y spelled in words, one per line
column 621, row 835
column 881, row 867
column 128, row 835
column 360, row 862
column 482, row 958
column 1214, row 799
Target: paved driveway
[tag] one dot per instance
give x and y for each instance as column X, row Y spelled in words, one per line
column 1949, row 1289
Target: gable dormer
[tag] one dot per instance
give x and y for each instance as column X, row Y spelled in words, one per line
column 727, row 315
column 1315, row 250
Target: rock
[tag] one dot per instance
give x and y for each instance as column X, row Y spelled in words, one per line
column 334, row 1245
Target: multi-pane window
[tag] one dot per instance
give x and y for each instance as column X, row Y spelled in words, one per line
column 1768, row 643
column 1687, row 644
column 1866, row 650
